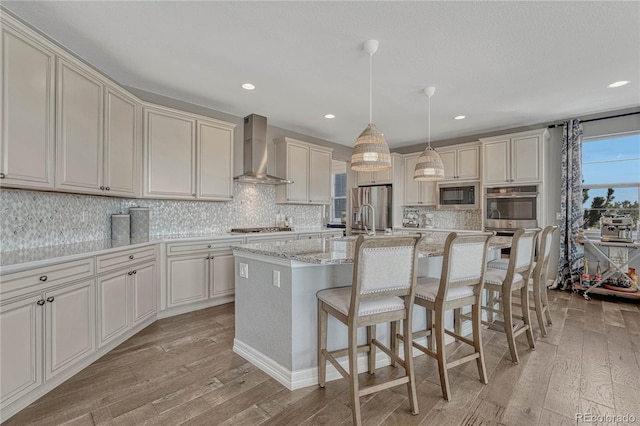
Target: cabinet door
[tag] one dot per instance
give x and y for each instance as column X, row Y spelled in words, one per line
column 187, row 279
column 113, row 300
column 121, row 144
column 319, row 176
column 411, row 186
column 215, row 162
column 496, row 162
column 364, row 178
column 27, row 125
column 222, row 275
column 79, row 147
column 20, row 348
column 297, row 171
column 450, row 166
column 70, row 326
column 144, row 292
column 169, row 158
column 468, row 166
column 375, row 178
column 428, row 193
column 526, row 165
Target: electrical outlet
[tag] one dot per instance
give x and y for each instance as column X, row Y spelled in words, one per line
column 83, row 216
column 244, row 270
column 276, row 278
column 558, row 216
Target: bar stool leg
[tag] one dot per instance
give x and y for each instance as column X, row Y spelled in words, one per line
column 545, row 303
column 393, row 341
column 408, row 366
column 322, row 344
column 442, row 362
column 476, row 315
column 508, row 324
column 526, row 316
column 537, row 301
column 353, row 376
column 371, row 334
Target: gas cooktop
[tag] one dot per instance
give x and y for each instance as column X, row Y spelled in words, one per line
column 263, row 229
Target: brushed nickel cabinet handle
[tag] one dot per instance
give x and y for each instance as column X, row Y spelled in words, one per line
column 102, row 188
column 135, row 272
column 43, row 278
column 40, row 302
column 209, row 246
column 131, row 257
column 2, row 176
column 108, row 189
column 50, row 299
column 130, row 273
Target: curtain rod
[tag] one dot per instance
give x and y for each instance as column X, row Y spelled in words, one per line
column 553, row 126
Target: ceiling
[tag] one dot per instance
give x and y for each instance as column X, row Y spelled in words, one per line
column 502, row 64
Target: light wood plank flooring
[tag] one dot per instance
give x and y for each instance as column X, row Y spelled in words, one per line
column 182, row 370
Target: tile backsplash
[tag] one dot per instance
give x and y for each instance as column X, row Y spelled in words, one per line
column 454, row 219
column 31, row 219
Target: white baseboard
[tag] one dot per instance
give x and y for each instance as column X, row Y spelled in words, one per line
column 309, row 376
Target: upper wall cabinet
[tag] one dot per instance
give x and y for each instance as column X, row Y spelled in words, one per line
column 461, row 163
column 186, row 156
column 308, row 166
column 416, row 193
column 514, row 158
column 385, row 177
column 80, row 121
column 27, row 91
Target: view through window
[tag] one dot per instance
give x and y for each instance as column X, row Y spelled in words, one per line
column 611, row 178
column 338, row 190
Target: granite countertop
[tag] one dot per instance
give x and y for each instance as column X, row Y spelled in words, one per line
column 19, row 260
column 333, row 251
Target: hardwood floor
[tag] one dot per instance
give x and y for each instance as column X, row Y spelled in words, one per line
column 182, row 370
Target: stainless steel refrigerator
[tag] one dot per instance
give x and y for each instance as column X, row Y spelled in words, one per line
column 380, row 199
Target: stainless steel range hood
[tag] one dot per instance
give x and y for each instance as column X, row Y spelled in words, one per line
column 255, row 153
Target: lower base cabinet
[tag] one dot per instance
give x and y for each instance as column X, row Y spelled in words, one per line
column 125, row 298
column 60, row 320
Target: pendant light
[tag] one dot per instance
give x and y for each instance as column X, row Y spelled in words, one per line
column 430, row 166
column 371, row 151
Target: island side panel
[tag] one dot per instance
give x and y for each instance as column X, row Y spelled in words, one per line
column 263, row 311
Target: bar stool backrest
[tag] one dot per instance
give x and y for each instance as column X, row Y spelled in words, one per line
column 544, row 252
column 522, row 252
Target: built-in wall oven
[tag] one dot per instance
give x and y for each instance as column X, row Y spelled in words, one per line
column 508, row 208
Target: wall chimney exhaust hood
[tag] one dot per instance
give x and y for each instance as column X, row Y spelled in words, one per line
column 255, row 153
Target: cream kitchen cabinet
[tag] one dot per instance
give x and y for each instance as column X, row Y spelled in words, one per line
column 186, row 156
column 44, row 333
column 98, row 140
column 27, row 92
column 416, row 193
column 80, row 121
column 122, row 143
column 125, row 298
column 308, row 166
column 199, row 271
column 461, row 163
column 374, row 178
column 513, row 159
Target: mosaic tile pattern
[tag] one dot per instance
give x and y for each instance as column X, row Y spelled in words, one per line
column 31, row 219
column 454, row 219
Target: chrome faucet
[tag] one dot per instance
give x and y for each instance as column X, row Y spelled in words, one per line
column 373, row 219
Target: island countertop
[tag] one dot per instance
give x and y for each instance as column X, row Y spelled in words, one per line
column 331, row 251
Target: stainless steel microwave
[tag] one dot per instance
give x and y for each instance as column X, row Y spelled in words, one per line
column 458, row 196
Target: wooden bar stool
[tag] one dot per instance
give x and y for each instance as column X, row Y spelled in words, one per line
column 460, row 284
column 383, row 288
column 514, row 278
column 539, row 276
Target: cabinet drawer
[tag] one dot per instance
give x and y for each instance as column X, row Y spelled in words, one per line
column 201, row 246
column 46, row 276
column 125, row 258
column 271, row 238
column 308, row 236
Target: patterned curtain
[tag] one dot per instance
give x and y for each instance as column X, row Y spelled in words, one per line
column 571, row 254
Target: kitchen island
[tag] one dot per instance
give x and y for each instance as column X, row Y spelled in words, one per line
column 276, row 308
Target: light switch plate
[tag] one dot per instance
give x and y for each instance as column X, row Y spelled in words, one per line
column 276, row 278
column 244, row 270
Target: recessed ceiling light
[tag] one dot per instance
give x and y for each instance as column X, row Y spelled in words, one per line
column 459, row 117
column 248, row 86
column 618, row 83
column 329, row 116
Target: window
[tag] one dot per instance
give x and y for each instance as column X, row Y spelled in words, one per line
column 611, row 178
column 338, row 190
